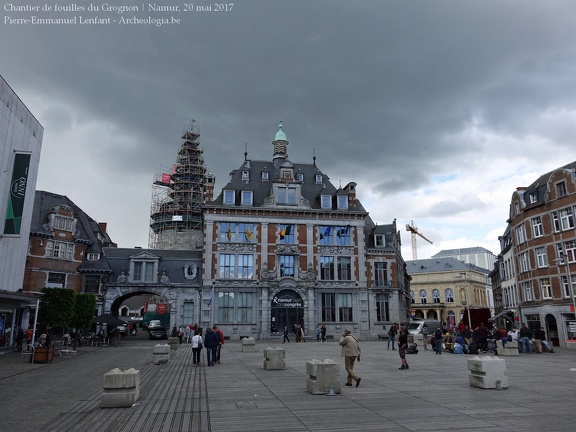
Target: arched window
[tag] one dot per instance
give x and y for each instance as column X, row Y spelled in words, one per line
column 423, row 296
column 449, row 295
column 435, row 296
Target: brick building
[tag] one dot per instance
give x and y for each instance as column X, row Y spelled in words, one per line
column 65, row 247
column 284, row 246
column 543, row 243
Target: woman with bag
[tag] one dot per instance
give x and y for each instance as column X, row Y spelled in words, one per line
column 197, row 345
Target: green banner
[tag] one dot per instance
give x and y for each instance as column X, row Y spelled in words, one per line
column 17, row 194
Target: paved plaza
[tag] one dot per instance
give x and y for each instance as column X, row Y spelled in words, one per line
column 239, row 395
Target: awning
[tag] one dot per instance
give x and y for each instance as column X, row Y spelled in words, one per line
column 503, row 314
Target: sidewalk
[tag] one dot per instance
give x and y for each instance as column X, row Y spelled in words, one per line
column 239, row 395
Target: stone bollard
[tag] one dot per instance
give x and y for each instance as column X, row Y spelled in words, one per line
column 488, row 373
column 248, row 345
column 121, row 388
column 161, row 353
column 322, row 375
column 274, row 358
column 510, row 350
column 174, row 342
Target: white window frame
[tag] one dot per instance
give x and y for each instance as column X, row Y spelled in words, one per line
column 379, row 240
column 63, row 223
column 265, row 175
column 533, row 197
column 520, row 233
column 524, row 262
column 342, row 202
column 60, row 250
column 326, row 201
column 149, row 271
column 245, row 175
column 319, row 178
column 545, row 288
column 299, row 177
column 286, row 195
column 541, row 257
column 93, row 256
column 566, row 219
column 537, row 230
column 561, row 189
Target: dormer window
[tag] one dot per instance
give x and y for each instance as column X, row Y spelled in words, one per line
column 300, row 177
column 319, row 178
column 326, row 201
column 93, row 256
column 533, row 197
column 265, row 175
column 62, row 223
column 247, row 198
column 286, row 195
column 245, row 175
column 229, row 197
column 379, row 240
column 561, row 189
column 342, row 202
column 144, row 269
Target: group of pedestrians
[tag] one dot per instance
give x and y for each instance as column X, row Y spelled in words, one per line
column 213, row 341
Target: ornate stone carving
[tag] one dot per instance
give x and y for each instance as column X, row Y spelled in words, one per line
column 164, row 278
column 337, row 250
column 236, row 247
column 122, row 277
column 287, row 250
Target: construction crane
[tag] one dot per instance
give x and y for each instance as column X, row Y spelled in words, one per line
column 414, row 231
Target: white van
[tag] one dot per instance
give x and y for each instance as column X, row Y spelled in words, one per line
column 417, row 325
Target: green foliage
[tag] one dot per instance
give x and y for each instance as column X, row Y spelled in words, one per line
column 56, row 308
column 84, row 311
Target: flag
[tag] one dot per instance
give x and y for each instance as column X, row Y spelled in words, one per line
column 343, row 231
column 326, row 233
column 248, row 234
column 229, row 233
column 285, row 232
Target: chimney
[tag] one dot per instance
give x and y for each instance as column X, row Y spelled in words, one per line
column 209, row 188
column 103, row 226
column 350, row 188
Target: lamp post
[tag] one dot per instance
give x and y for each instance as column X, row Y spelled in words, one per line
column 464, row 297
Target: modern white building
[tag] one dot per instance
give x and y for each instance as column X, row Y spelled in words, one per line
column 20, row 145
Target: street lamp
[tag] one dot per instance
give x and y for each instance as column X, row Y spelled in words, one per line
column 464, row 296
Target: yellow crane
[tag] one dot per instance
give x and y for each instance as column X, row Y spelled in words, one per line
column 415, row 231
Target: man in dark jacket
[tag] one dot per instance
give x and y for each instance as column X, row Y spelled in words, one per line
column 211, row 342
column 525, row 336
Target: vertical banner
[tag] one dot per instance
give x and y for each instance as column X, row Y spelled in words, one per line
column 17, row 194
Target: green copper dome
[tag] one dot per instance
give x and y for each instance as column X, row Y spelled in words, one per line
column 280, row 135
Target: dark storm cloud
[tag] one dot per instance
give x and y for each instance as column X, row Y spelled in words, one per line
column 378, row 89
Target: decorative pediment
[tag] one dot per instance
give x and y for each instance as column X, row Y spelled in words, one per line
column 144, row 256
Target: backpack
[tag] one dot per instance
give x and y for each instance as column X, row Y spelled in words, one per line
column 412, row 349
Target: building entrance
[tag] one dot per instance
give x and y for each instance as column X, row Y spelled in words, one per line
column 287, row 310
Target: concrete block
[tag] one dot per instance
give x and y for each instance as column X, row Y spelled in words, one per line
column 248, row 345
column 510, row 350
column 487, row 373
column 121, row 388
column 174, row 343
column 274, row 358
column 321, row 376
column 161, row 353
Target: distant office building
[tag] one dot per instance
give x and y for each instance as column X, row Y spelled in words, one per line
column 477, row 256
column 20, row 145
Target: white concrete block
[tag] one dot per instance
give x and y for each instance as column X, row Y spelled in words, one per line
column 321, row 376
column 274, row 358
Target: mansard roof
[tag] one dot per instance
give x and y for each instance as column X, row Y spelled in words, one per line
column 437, row 265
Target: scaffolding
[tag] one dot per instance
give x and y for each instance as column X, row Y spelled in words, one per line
column 178, row 194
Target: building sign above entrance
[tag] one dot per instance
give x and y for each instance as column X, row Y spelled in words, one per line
column 286, row 302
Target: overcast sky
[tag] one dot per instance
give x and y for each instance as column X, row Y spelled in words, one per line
column 437, row 109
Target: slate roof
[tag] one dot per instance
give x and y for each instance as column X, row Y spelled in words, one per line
column 436, row 265
column 540, row 186
column 172, row 262
column 262, row 189
column 87, row 229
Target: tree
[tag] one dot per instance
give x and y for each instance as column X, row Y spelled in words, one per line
column 56, row 309
column 84, row 311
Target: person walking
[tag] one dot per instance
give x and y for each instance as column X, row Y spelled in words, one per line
column 323, row 332
column 220, row 342
column 211, row 342
column 438, row 340
column 196, row 347
column 351, row 352
column 391, row 335
column 402, row 347
column 425, row 337
column 318, row 331
column 286, row 339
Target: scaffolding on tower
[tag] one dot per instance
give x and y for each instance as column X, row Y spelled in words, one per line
column 178, row 194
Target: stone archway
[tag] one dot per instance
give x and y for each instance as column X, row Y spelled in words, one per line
column 287, row 309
